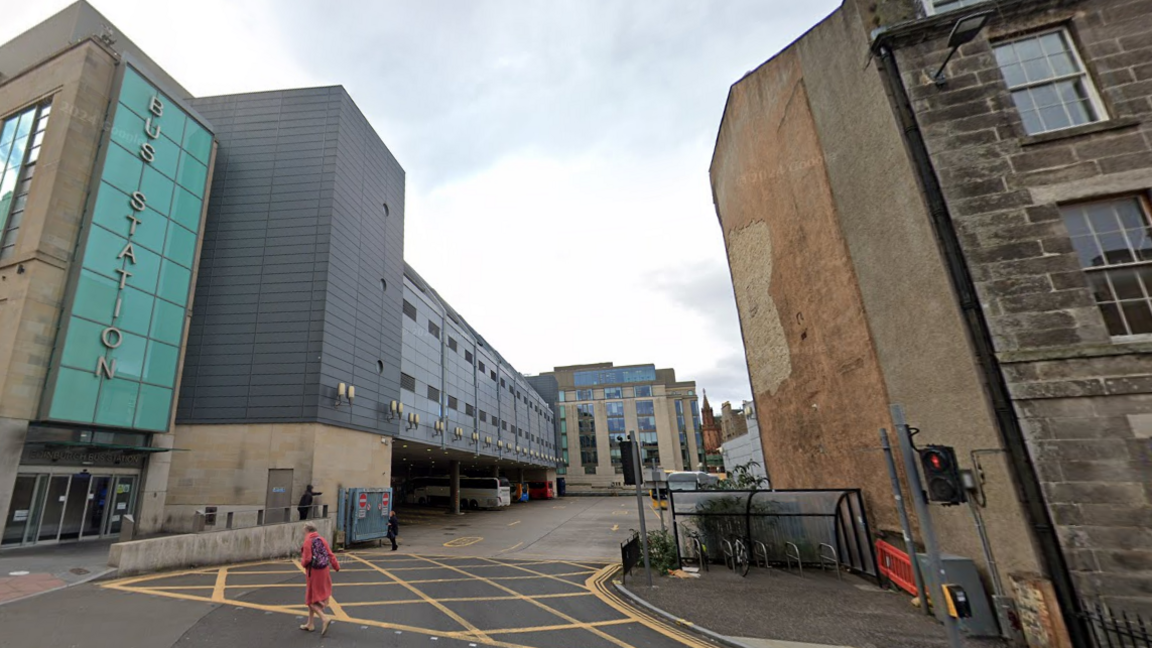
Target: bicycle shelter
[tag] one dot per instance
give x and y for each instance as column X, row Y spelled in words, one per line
column 777, row 527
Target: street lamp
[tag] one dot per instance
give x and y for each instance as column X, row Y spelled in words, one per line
column 964, row 31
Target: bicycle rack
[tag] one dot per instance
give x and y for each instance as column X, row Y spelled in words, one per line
column 760, row 551
column 834, row 559
column 788, row 556
column 729, row 555
column 698, row 547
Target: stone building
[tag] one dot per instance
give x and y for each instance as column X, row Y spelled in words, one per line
column 733, row 422
column 711, row 430
column 986, row 264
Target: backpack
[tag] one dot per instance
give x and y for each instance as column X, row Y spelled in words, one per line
column 319, row 554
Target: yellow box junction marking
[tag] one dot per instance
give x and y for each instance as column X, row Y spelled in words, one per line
column 463, row 542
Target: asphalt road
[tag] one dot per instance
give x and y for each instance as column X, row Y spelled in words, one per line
column 529, row 576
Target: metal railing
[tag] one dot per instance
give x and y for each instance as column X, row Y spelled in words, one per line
column 1111, row 629
column 209, row 519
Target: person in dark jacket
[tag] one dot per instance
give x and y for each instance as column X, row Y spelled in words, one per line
column 305, row 507
column 393, row 528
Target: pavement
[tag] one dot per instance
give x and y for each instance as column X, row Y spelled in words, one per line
column 514, row 578
column 29, row 571
column 778, row 609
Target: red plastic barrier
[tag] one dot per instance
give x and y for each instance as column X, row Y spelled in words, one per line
column 896, row 566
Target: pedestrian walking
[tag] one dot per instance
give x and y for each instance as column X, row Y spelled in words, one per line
column 305, row 507
column 318, row 561
column 393, row 528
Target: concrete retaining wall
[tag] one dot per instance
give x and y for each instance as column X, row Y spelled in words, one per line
column 215, row 548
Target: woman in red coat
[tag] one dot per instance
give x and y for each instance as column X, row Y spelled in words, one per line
column 316, row 557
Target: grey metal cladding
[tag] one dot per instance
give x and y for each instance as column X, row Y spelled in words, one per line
column 289, row 299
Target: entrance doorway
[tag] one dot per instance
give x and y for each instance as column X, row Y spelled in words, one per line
column 277, row 507
column 79, row 506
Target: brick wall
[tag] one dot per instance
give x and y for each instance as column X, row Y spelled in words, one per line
column 1085, row 398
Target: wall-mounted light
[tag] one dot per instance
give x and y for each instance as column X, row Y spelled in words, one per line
column 413, row 420
column 341, row 393
column 964, row 31
column 459, row 432
column 438, row 427
column 395, row 408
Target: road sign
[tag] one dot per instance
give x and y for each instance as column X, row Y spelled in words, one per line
column 384, row 502
column 363, row 500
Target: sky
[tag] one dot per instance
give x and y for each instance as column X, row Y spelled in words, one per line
column 556, row 151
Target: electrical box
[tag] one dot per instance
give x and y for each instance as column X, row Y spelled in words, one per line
column 961, row 572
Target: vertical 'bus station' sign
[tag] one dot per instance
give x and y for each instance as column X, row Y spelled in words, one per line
column 117, row 357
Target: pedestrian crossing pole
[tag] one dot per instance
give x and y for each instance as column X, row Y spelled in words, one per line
column 640, row 502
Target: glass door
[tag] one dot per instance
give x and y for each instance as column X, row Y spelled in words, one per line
column 97, row 506
column 123, row 500
column 74, row 506
column 24, row 512
column 54, row 503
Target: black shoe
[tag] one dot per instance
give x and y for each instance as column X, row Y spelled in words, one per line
column 395, row 548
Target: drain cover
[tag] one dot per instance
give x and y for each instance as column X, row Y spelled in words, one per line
column 79, row 571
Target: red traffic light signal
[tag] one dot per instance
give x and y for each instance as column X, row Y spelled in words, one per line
column 942, row 475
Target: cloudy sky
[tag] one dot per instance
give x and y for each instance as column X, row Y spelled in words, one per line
column 557, row 151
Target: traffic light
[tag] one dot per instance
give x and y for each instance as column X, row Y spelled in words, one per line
column 628, row 460
column 942, row 475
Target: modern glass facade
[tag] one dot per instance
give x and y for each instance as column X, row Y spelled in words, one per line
column 615, row 376
column 119, row 359
column 21, row 137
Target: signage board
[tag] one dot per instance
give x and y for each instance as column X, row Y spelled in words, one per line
column 117, row 356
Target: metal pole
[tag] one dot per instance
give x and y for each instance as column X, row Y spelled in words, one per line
column 926, row 528
column 640, row 505
column 659, row 498
column 898, row 492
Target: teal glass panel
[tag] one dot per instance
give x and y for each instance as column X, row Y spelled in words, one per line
column 167, row 322
column 136, row 93
column 186, row 209
column 160, row 366
column 181, row 246
column 174, row 281
column 103, row 248
column 129, row 356
column 83, row 346
column 151, row 231
column 197, row 141
column 145, row 270
column 152, row 411
column 112, row 209
column 117, row 405
column 95, row 297
column 128, row 129
column 75, row 398
column 157, row 189
column 192, row 175
column 135, row 311
column 122, row 169
column 167, row 156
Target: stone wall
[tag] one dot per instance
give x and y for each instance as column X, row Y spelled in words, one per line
column 1085, row 398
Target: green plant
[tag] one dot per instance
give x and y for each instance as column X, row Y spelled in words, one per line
column 742, row 478
column 662, row 551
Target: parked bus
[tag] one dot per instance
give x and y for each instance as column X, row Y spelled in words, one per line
column 475, row 492
column 681, row 481
column 541, row 490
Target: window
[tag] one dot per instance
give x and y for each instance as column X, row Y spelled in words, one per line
column 468, row 357
column 645, row 408
column 434, row 330
column 561, row 397
column 615, row 416
column 469, row 410
column 502, row 383
column 613, row 392
column 493, row 374
column 583, row 394
column 1048, row 82
column 481, row 367
column 504, row 425
column 409, row 310
column 644, row 391
column 453, row 403
column 587, row 426
column 407, row 382
column 1113, row 239
column 483, row 416
column 589, row 469
column 452, row 343
column 941, row 6
column 20, row 140
column 433, row 393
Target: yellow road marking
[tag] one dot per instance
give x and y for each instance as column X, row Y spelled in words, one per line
column 615, row 527
column 509, row 549
column 597, row 584
column 337, row 611
column 578, row 623
column 558, row 507
column 463, row 542
column 515, row 523
column 469, row 599
column 619, row 512
column 473, row 630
